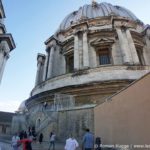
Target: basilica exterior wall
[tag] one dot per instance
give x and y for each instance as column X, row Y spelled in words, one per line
column 62, row 122
column 124, row 118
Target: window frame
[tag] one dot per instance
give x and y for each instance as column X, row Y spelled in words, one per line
column 67, row 58
column 106, row 50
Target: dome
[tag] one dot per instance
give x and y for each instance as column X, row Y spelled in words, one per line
column 22, row 107
column 95, row 11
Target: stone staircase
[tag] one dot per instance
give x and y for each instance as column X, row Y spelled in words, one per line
column 50, row 117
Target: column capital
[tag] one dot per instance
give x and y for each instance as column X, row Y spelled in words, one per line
column 48, row 49
column 40, row 56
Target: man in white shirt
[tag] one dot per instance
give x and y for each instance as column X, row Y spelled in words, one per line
column 71, row 143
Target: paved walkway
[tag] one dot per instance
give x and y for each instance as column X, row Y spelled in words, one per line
column 5, row 145
column 36, row 146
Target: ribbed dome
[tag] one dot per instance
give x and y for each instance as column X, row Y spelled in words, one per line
column 99, row 10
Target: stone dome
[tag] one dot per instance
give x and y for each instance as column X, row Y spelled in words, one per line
column 22, row 106
column 95, row 11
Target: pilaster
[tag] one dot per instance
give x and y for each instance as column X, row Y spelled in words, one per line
column 132, row 47
column 5, row 58
column 4, row 55
column 39, row 65
column 45, row 69
column 147, row 48
column 50, row 63
column 85, row 51
column 1, row 58
column 123, row 46
column 76, row 52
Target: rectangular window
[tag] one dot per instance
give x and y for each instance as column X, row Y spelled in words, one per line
column 104, row 57
column 4, row 129
column 69, row 63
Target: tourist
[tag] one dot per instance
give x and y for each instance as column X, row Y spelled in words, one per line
column 41, row 138
column 25, row 134
column 98, row 143
column 45, row 105
column 21, row 134
column 15, row 141
column 88, row 140
column 52, row 141
column 26, row 143
column 71, row 143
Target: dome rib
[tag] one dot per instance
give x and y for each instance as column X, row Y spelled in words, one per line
column 105, row 9
column 105, row 6
column 102, row 10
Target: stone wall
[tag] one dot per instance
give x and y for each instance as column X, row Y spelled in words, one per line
column 18, row 123
column 65, row 122
column 124, row 119
column 74, row 121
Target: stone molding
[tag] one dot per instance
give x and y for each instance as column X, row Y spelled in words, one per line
column 95, row 74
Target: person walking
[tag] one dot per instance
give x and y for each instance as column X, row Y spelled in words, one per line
column 88, row 140
column 71, row 143
column 41, row 138
column 15, row 141
column 52, row 141
column 26, row 143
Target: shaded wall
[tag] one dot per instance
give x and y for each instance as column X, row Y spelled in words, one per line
column 70, row 122
column 125, row 118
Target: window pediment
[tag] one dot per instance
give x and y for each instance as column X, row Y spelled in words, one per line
column 102, row 41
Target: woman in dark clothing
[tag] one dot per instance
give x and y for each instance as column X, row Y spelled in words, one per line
column 41, row 138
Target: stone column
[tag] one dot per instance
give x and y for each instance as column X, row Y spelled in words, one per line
column 132, row 47
column 3, row 65
column 76, row 52
column 45, row 67
column 123, row 46
column 50, row 63
column 4, row 55
column 1, row 59
column 146, row 49
column 39, row 64
column 85, row 51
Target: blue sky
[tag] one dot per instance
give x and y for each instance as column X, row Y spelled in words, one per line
column 31, row 22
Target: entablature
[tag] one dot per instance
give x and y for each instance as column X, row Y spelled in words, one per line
column 8, row 37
